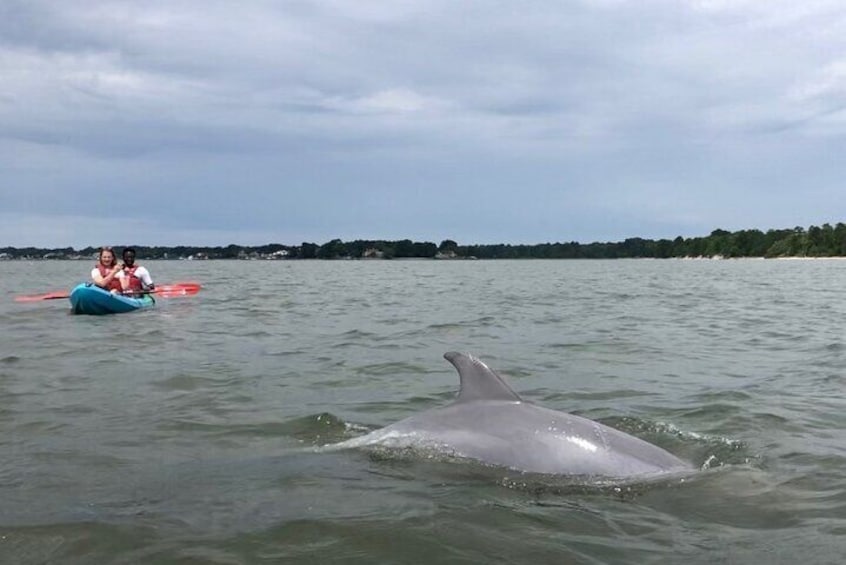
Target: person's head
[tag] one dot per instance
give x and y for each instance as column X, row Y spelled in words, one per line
column 129, row 256
column 107, row 257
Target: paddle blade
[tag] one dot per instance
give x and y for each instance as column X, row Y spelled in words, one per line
column 177, row 289
column 170, row 290
column 185, row 283
column 37, row 297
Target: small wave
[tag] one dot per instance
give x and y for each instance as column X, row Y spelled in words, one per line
column 380, row 369
column 556, row 486
column 282, row 353
column 353, row 335
column 703, row 450
column 636, row 425
column 484, row 321
column 571, row 397
column 722, row 396
column 577, row 346
column 316, row 429
column 185, row 383
column 448, row 326
column 712, row 451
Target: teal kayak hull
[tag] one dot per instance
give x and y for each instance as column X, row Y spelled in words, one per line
column 88, row 298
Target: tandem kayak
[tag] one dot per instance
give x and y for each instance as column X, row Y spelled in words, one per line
column 88, row 298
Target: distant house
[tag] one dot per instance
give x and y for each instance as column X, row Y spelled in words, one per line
column 372, row 253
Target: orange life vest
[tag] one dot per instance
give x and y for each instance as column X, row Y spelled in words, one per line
column 114, row 284
column 134, row 282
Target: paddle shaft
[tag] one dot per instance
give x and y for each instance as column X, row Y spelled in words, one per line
column 166, row 290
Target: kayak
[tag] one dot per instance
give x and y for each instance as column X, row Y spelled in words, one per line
column 88, row 298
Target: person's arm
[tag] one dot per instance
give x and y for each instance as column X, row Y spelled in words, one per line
column 124, row 282
column 103, row 282
column 146, row 280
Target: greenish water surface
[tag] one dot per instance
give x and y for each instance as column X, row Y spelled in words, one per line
column 191, row 432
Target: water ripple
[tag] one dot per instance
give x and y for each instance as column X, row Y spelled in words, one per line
column 192, row 432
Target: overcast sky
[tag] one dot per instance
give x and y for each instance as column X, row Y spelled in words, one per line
column 208, row 123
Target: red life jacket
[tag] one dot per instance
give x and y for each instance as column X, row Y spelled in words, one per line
column 114, row 284
column 134, row 282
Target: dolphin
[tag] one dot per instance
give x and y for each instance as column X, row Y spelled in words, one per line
column 490, row 423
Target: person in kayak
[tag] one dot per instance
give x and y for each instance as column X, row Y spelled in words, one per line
column 107, row 273
column 136, row 279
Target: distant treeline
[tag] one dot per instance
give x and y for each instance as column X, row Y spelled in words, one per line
column 825, row 241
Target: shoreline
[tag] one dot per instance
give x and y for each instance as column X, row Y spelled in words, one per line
column 449, row 259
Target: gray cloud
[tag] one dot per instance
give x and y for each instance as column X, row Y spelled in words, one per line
column 478, row 121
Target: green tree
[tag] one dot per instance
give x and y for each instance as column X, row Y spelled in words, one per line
column 448, row 246
column 333, row 249
column 308, row 251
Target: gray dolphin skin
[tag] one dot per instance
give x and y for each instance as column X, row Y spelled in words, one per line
column 489, row 422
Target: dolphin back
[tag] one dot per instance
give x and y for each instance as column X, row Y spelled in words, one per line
column 478, row 381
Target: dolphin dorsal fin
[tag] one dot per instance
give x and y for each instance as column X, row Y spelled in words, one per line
column 478, row 381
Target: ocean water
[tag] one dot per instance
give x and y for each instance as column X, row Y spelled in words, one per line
column 192, row 432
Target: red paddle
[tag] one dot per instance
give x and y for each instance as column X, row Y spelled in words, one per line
column 165, row 290
column 170, row 290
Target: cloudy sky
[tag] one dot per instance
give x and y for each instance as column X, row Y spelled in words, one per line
column 212, row 122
